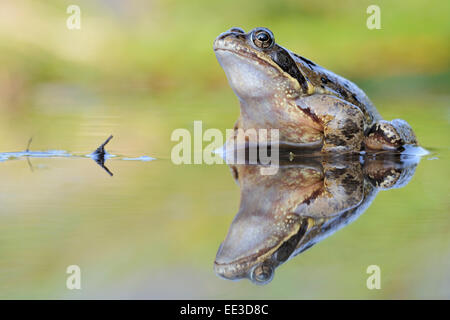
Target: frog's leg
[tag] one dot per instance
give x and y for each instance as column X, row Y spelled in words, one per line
column 389, row 135
column 343, row 122
column 385, row 174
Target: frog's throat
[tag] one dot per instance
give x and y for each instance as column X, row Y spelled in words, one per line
column 296, row 75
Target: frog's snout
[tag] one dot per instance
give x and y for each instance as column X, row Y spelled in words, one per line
column 233, row 33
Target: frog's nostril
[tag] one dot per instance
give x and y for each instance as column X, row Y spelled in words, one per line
column 236, row 29
column 223, row 35
column 233, row 33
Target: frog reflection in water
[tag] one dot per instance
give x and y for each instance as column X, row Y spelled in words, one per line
column 309, row 105
column 284, row 214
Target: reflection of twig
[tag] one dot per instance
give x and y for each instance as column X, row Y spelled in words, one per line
column 107, row 170
column 29, row 164
column 101, row 163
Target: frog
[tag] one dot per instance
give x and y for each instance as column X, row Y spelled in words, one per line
column 311, row 106
column 306, row 201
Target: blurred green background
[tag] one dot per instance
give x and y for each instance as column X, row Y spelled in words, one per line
column 140, row 69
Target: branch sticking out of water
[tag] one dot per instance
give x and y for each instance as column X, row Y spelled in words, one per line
column 101, row 150
column 99, row 155
column 28, row 145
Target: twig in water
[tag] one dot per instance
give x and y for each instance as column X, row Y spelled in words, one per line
column 29, row 143
column 99, row 155
column 101, row 150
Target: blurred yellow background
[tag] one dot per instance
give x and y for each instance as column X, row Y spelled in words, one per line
column 139, row 70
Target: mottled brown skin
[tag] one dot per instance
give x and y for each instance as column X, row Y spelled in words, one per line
column 284, row 214
column 310, row 105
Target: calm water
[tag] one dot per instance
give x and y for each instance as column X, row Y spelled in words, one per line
column 140, row 226
column 152, row 230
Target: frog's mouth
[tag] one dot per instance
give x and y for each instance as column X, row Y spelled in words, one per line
column 277, row 62
column 251, row 74
column 246, row 53
column 238, row 269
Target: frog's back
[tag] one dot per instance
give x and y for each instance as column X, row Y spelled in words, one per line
column 327, row 82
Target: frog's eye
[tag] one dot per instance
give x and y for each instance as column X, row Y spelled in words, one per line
column 262, row 38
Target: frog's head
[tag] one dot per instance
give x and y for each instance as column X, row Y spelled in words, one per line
column 257, row 67
column 256, row 245
column 267, row 229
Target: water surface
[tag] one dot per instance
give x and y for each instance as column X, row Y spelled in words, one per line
column 153, row 229
column 139, row 70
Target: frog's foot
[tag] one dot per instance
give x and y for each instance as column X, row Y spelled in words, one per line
column 342, row 122
column 389, row 135
column 386, row 175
